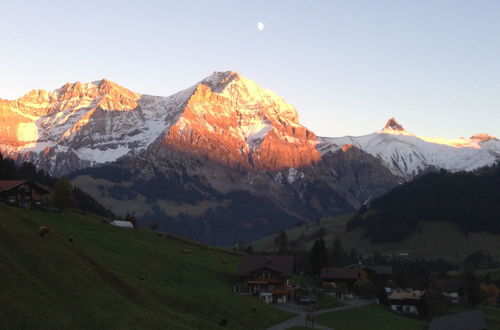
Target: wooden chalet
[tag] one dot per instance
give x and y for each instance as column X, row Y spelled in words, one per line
column 450, row 288
column 340, row 279
column 405, row 301
column 266, row 276
column 22, row 193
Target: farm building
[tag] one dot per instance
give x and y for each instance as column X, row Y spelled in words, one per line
column 22, row 193
column 266, row 276
column 122, row 224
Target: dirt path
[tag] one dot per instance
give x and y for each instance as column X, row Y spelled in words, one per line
column 300, row 319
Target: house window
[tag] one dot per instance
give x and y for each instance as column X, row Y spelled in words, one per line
column 265, row 274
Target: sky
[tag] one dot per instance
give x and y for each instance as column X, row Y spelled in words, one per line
column 347, row 66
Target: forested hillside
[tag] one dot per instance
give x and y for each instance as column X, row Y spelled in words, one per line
column 469, row 200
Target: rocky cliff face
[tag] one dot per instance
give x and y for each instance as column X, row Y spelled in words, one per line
column 231, row 120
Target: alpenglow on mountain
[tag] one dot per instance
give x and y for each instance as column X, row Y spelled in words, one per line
column 225, row 117
column 221, row 161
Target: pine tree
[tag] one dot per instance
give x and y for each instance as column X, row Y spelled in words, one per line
column 63, row 194
column 337, row 253
column 281, row 243
column 319, row 257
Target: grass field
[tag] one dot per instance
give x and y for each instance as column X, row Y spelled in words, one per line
column 373, row 317
column 429, row 243
column 492, row 316
column 115, row 278
column 326, row 301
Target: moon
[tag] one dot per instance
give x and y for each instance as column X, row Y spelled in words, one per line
column 260, row 26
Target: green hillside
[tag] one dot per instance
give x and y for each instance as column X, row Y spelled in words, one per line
column 431, row 240
column 114, row 278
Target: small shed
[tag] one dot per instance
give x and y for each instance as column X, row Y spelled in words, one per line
column 121, row 223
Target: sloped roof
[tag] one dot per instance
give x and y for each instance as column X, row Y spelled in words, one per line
column 381, row 269
column 340, row 273
column 6, row 185
column 473, row 320
column 400, row 294
column 281, row 264
column 449, row 285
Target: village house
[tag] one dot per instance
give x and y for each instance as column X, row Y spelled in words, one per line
column 405, row 301
column 450, row 288
column 266, row 276
column 382, row 273
column 22, row 193
column 341, row 280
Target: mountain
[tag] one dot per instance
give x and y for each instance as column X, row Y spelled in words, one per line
column 235, row 164
column 225, row 117
column 81, row 125
column 408, row 155
column 221, row 161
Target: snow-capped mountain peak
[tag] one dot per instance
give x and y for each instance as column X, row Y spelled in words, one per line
column 232, row 120
column 407, row 155
column 393, row 126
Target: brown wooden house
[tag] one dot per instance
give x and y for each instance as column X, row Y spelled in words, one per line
column 340, row 279
column 266, row 276
column 22, row 193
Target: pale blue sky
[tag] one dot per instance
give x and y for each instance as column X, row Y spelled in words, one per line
column 347, row 66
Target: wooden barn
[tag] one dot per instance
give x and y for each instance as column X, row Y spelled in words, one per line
column 22, row 193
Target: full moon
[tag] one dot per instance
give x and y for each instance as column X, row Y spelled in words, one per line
column 260, row 26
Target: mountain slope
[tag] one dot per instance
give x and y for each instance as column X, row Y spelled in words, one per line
column 408, row 155
column 115, row 278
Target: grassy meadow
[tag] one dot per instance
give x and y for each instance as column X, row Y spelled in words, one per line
column 373, row 317
column 115, row 278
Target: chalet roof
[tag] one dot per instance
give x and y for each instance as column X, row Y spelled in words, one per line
column 283, row 265
column 449, row 285
column 381, row 269
column 473, row 320
column 6, row 185
column 400, row 294
column 340, row 273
